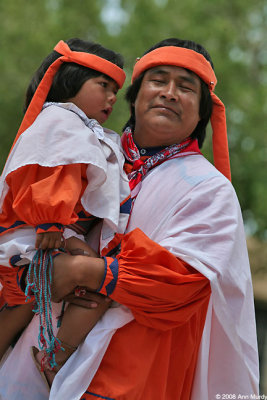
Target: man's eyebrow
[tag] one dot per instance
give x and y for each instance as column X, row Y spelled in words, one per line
column 189, row 76
column 157, row 71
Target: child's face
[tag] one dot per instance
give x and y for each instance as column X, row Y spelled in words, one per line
column 96, row 98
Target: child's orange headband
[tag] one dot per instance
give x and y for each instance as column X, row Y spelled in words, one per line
column 86, row 59
column 196, row 62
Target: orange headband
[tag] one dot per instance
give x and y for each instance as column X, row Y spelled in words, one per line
column 196, row 62
column 86, row 59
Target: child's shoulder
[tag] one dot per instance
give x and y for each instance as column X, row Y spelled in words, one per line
column 69, row 111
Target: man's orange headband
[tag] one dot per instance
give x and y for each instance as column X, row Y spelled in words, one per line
column 82, row 58
column 196, row 62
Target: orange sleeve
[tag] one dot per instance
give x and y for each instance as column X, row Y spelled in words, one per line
column 162, row 291
column 46, row 194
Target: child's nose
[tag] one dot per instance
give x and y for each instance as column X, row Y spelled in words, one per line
column 112, row 98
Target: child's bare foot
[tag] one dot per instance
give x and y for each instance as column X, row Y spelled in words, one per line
column 41, row 362
column 39, row 358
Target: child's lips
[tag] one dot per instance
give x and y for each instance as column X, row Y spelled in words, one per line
column 108, row 111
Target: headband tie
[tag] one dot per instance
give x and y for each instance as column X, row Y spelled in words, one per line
column 67, row 55
column 196, row 62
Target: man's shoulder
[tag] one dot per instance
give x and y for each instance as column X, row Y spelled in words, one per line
column 192, row 174
column 194, row 167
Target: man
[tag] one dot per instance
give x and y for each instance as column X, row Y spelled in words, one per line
column 182, row 268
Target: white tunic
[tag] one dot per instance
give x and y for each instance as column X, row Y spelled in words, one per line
column 61, row 135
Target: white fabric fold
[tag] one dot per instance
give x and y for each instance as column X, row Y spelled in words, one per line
column 200, row 222
column 75, row 138
column 25, row 382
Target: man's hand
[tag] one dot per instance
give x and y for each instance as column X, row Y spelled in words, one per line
column 72, row 271
column 87, row 299
column 48, row 240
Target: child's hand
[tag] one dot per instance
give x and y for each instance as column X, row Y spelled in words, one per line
column 48, row 240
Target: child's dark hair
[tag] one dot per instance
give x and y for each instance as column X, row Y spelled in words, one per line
column 71, row 76
column 205, row 107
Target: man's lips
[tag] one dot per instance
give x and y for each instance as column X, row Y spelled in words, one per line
column 168, row 108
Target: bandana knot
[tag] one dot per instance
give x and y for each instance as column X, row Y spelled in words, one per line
column 137, row 164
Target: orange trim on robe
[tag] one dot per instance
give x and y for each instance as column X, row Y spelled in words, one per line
column 154, row 356
column 2, row 299
column 39, row 195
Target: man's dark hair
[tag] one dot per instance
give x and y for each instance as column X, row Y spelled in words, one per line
column 205, row 107
column 71, row 76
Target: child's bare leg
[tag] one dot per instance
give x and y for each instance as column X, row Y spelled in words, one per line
column 12, row 321
column 77, row 322
column 77, row 246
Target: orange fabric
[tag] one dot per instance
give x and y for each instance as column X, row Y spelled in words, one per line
column 190, row 59
column 219, row 137
column 92, row 61
column 2, row 299
column 82, row 58
column 41, row 195
column 11, row 293
column 154, row 356
column 115, row 242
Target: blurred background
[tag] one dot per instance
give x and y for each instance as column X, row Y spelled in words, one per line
column 234, row 32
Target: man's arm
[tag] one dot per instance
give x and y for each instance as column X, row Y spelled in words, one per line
column 161, row 290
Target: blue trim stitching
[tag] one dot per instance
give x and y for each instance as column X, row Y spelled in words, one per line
column 104, row 277
column 114, row 267
column 98, row 395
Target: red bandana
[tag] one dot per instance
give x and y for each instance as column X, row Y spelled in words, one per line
column 141, row 168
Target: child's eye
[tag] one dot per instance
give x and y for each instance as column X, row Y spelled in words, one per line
column 103, row 83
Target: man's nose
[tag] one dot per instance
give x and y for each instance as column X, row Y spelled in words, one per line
column 170, row 92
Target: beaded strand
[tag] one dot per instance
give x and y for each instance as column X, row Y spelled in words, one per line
column 39, row 280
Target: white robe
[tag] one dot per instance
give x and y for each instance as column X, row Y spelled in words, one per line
column 189, row 208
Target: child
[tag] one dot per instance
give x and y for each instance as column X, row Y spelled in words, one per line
column 64, row 175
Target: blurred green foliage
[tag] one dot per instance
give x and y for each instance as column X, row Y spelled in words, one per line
column 234, row 32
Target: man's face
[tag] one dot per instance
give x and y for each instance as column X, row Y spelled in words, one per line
column 167, row 106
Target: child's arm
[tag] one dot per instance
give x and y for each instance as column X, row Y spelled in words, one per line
column 46, row 194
